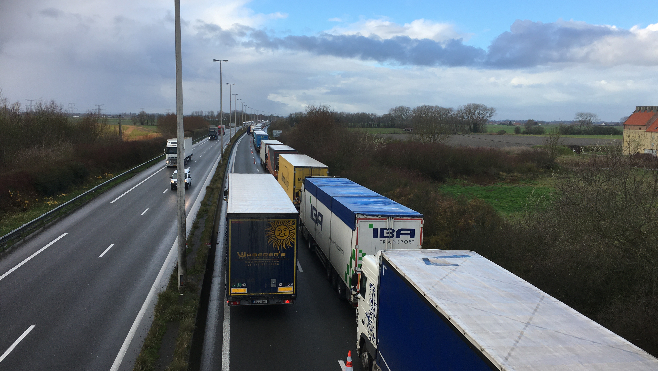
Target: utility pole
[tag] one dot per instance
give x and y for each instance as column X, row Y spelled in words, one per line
column 120, row 132
column 180, row 155
column 30, row 106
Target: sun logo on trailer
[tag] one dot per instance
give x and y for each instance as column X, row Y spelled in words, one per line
column 281, row 234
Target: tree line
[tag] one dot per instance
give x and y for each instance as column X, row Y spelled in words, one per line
column 46, row 152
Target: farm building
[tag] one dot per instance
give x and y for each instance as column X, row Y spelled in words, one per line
column 641, row 131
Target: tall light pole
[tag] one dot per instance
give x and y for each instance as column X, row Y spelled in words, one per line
column 242, row 110
column 230, row 94
column 221, row 89
column 236, row 109
column 182, row 259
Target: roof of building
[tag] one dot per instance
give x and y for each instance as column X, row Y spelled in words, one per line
column 648, row 119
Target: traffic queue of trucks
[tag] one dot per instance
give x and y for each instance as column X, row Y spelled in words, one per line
column 416, row 309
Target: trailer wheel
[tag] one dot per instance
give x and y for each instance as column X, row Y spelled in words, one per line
column 366, row 360
column 341, row 289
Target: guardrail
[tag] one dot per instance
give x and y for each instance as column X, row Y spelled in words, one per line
column 39, row 222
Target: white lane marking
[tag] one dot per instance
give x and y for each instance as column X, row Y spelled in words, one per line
column 137, row 185
column 226, row 344
column 147, row 209
column 165, row 191
column 31, row 256
column 149, row 298
column 106, row 250
column 6, row 353
column 299, row 267
column 341, row 363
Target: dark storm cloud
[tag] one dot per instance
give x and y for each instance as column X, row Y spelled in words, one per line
column 527, row 44
column 401, row 49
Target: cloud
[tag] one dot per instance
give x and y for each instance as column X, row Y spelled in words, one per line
column 527, row 45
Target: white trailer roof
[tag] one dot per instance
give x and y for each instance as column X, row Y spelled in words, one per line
column 514, row 324
column 280, row 147
column 299, row 160
column 257, row 194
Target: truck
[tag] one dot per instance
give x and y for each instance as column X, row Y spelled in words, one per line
column 212, row 132
column 171, row 151
column 273, row 152
column 263, row 150
column 261, row 251
column 258, row 136
column 293, row 169
column 221, row 129
column 343, row 222
column 456, row 310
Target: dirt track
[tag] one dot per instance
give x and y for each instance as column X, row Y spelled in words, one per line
column 506, row 141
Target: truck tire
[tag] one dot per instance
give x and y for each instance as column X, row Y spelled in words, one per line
column 341, row 289
column 366, row 359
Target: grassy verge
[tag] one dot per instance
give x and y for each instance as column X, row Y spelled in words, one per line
column 168, row 344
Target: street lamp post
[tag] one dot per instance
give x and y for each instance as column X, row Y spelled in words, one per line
column 242, row 110
column 230, row 89
column 221, row 90
column 236, row 110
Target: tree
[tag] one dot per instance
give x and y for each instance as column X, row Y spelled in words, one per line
column 400, row 116
column 585, row 120
column 474, row 117
column 433, row 124
column 141, row 118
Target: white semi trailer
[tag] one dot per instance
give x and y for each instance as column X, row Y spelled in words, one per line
column 344, row 221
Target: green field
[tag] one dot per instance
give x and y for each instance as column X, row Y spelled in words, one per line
column 507, row 199
column 494, row 129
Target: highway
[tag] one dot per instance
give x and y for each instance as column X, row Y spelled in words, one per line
column 314, row 333
column 74, row 297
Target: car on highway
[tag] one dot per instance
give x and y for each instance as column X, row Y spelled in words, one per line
column 187, row 177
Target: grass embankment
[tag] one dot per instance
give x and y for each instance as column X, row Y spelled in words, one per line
column 168, row 344
column 507, row 199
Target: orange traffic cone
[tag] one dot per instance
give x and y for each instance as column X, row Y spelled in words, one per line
column 348, row 364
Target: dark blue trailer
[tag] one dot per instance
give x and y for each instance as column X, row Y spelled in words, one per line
column 262, row 242
column 259, row 135
column 455, row 310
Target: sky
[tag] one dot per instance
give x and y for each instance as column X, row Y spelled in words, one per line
column 527, row 59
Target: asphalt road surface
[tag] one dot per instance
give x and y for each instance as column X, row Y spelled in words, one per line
column 74, row 297
column 314, row 333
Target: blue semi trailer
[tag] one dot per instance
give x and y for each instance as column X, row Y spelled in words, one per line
column 455, row 310
column 261, row 242
column 259, row 135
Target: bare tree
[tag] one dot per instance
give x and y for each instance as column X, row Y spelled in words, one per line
column 585, row 120
column 474, row 117
column 400, row 116
column 433, row 124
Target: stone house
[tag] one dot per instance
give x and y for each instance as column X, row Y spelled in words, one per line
column 641, row 131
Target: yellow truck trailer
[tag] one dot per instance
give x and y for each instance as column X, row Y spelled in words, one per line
column 293, row 169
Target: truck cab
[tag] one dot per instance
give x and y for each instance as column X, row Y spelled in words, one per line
column 174, row 179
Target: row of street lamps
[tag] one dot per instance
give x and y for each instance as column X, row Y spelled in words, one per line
column 231, row 96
